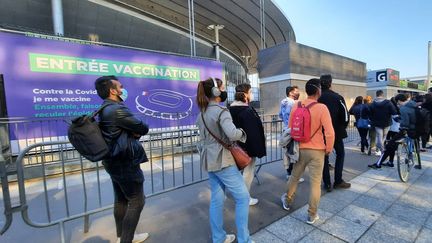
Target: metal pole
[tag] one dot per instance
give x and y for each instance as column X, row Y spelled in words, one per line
column 428, row 78
column 190, row 28
column 217, row 43
column 57, row 15
column 193, row 26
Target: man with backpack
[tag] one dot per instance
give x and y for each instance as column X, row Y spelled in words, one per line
column 408, row 123
column 286, row 105
column 121, row 131
column 381, row 112
column 307, row 119
column 340, row 119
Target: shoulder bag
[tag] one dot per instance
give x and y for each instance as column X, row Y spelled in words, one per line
column 241, row 158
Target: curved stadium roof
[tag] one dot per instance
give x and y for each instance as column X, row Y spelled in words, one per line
column 241, row 35
column 160, row 25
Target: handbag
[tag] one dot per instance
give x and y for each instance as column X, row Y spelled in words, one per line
column 241, row 158
column 362, row 123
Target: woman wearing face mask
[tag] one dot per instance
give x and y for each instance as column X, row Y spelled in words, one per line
column 218, row 161
column 246, row 118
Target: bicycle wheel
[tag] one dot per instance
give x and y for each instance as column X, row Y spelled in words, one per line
column 403, row 162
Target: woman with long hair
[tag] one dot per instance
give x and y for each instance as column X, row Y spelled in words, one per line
column 372, row 134
column 245, row 117
column 360, row 110
column 213, row 121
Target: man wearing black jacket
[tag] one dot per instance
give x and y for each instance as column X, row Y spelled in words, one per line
column 122, row 130
column 381, row 112
column 340, row 119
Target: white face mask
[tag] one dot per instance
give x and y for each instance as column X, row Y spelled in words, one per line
column 251, row 97
column 124, row 95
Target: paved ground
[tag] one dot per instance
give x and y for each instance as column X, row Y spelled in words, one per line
column 378, row 208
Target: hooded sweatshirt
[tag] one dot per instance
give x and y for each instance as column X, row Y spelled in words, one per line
column 381, row 112
column 408, row 116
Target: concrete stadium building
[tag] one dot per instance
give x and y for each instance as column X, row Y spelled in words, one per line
column 248, row 36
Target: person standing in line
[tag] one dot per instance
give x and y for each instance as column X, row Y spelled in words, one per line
column 293, row 94
column 360, row 110
column 340, row 119
column 245, row 117
column 218, row 161
column 428, row 106
column 372, row 135
column 390, row 146
column 382, row 111
column 311, row 153
column 407, row 127
column 121, row 131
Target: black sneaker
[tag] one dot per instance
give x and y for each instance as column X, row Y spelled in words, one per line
column 342, row 185
column 388, row 164
column 418, row 167
column 374, row 166
column 328, row 188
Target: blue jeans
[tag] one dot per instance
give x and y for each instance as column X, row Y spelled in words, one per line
column 231, row 179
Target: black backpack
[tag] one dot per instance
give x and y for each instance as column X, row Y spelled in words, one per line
column 85, row 135
column 422, row 121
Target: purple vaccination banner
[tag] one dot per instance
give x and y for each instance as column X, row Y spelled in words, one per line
column 54, row 79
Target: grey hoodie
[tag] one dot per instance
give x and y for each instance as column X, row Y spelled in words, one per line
column 408, row 116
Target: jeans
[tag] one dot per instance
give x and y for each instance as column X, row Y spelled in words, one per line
column 363, row 136
column 249, row 173
column 340, row 157
column 381, row 133
column 313, row 159
column 372, row 138
column 228, row 178
column 129, row 201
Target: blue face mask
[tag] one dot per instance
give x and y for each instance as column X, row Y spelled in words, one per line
column 124, row 95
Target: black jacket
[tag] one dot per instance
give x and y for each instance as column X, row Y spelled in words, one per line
column 360, row 110
column 121, row 130
column 338, row 112
column 247, row 118
column 381, row 111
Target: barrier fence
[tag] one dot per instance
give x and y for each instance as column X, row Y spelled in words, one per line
column 59, row 176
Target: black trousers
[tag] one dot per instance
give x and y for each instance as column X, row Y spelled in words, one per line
column 363, row 132
column 340, row 157
column 390, row 147
column 129, row 201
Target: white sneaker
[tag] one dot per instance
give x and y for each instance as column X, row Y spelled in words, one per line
column 312, row 220
column 300, row 180
column 229, row 238
column 138, row 238
column 253, row 201
column 378, row 153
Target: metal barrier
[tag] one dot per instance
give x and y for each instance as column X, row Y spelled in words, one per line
column 174, row 163
column 64, row 178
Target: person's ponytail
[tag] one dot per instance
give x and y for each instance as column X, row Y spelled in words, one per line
column 202, row 99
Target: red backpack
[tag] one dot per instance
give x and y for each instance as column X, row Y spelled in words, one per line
column 301, row 123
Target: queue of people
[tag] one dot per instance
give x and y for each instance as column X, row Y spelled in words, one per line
column 387, row 121
column 312, row 129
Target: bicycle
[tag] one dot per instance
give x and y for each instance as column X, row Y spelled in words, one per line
column 407, row 155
